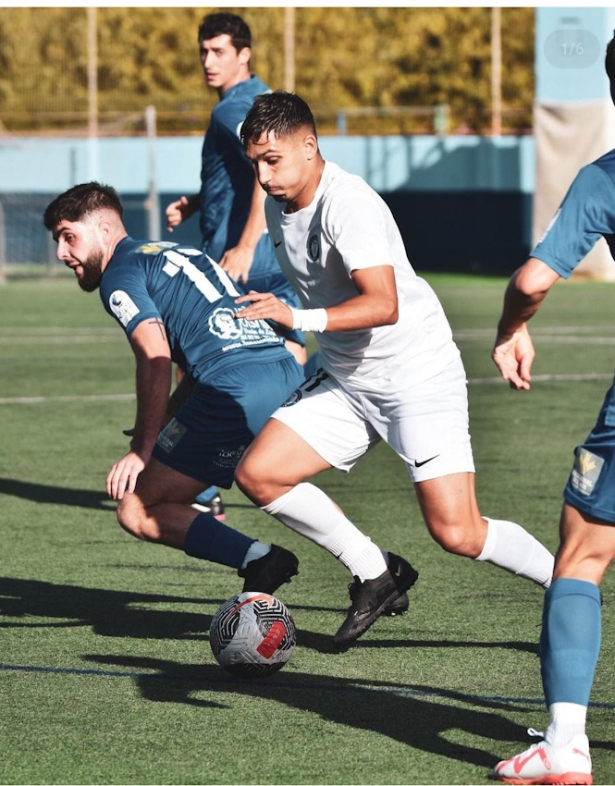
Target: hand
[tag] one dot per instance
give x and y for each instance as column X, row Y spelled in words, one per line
column 123, row 475
column 237, row 262
column 177, row 212
column 264, row 305
column 514, row 355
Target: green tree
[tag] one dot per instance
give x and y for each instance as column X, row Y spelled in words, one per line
column 345, row 58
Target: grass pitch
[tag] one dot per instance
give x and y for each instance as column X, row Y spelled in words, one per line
column 105, row 670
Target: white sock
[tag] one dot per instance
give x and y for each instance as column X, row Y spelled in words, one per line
column 510, row 547
column 566, row 720
column 306, row 509
column 256, row 551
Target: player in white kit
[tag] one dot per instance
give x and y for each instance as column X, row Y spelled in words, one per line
column 390, row 370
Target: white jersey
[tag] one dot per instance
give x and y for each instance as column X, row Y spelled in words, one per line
column 348, row 227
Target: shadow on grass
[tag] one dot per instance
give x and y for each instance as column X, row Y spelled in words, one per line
column 313, row 641
column 107, row 612
column 416, row 716
column 56, row 495
column 120, row 613
column 79, row 498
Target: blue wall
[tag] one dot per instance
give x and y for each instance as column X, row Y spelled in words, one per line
column 569, row 53
column 462, row 202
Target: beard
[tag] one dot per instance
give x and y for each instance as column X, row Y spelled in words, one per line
column 92, row 272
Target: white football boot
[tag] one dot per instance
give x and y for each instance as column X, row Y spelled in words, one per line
column 545, row 764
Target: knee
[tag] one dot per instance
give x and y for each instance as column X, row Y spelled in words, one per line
column 260, row 479
column 128, row 517
column 251, row 482
column 457, row 539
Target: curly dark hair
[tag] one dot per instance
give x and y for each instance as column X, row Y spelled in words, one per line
column 79, row 201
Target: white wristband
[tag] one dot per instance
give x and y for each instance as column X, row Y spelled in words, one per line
column 310, row 320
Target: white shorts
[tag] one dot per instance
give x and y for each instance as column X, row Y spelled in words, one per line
column 426, row 424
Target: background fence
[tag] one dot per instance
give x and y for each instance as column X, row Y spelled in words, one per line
column 462, row 203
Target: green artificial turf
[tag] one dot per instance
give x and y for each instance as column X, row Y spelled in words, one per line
column 106, row 675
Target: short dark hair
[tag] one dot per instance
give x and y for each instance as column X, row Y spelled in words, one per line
column 79, row 201
column 609, row 64
column 280, row 112
column 224, row 23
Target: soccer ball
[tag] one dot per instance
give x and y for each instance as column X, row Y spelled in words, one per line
column 252, row 635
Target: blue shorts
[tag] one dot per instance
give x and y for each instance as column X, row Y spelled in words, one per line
column 209, row 434
column 277, row 284
column 591, row 485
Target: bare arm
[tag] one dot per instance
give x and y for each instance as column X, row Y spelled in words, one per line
column 238, row 261
column 180, row 210
column 375, row 305
column 513, row 352
column 153, row 377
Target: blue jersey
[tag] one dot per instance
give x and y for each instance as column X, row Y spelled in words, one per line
column 227, row 179
column 194, row 298
column 586, row 214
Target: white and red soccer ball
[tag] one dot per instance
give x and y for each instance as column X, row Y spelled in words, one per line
column 252, row 635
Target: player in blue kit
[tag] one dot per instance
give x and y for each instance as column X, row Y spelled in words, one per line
column 176, row 304
column 231, row 201
column 572, row 616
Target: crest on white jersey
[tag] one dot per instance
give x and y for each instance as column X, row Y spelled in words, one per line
column 222, row 324
column 123, row 306
column 314, row 247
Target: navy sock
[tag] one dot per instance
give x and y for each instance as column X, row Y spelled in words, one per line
column 209, row 539
column 570, row 640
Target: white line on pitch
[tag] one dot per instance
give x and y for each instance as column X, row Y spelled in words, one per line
column 104, row 339
column 131, row 396
column 545, row 378
column 67, row 399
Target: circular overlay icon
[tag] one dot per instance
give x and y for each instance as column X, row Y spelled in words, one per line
column 572, row 48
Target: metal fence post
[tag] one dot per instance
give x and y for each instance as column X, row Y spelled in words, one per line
column 440, row 119
column 152, row 204
column 3, row 272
